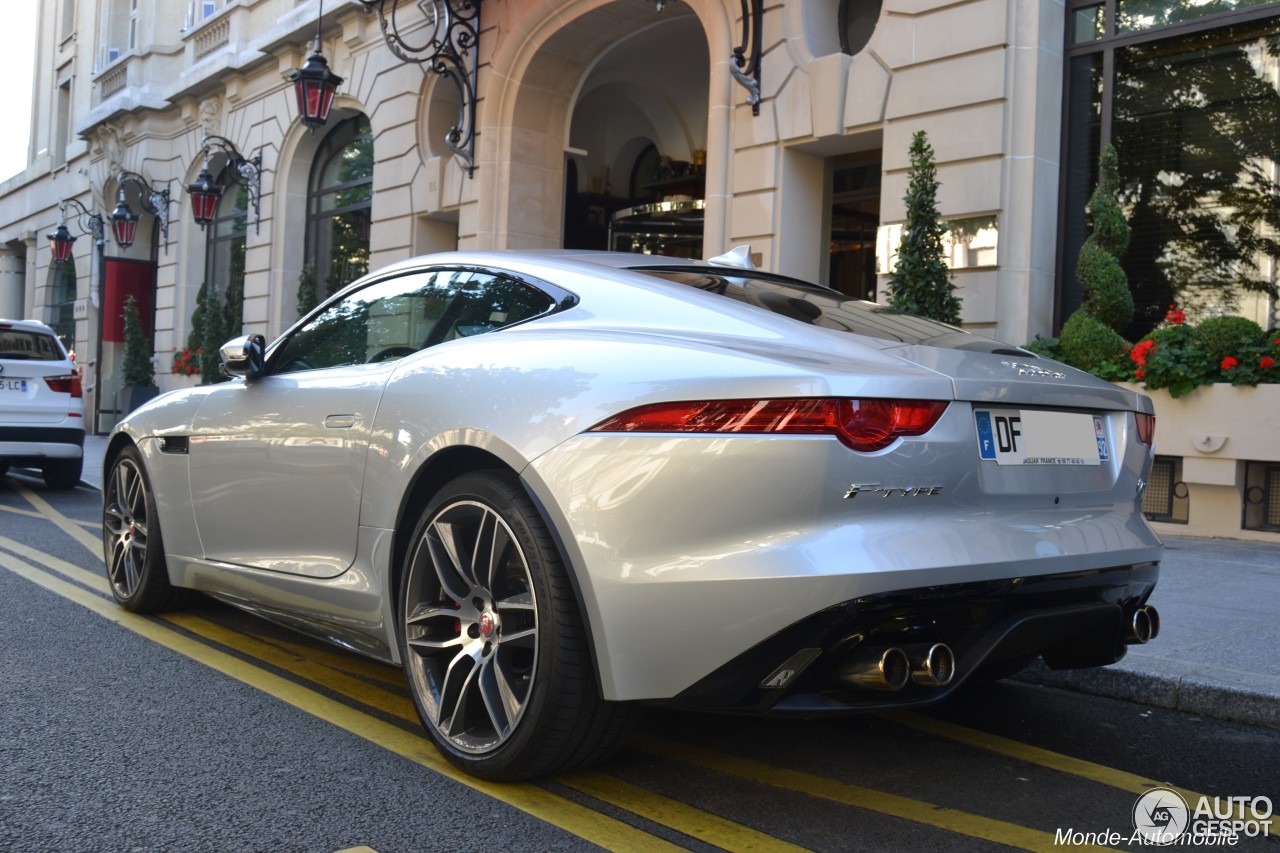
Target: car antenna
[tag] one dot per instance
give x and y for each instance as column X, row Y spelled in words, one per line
column 738, row 256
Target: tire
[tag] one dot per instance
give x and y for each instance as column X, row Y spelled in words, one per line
column 495, row 653
column 131, row 544
column 62, row 473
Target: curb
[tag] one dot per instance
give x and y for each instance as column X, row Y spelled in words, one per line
column 1193, row 693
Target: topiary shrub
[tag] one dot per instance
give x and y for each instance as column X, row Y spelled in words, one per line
column 308, row 294
column 1221, row 337
column 1089, row 344
column 1102, row 280
column 1103, row 283
column 1106, row 288
column 138, row 371
column 920, row 283
column 213, row 328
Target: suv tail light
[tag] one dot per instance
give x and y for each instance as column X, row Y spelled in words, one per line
column 1146, row 427
column 68, row 384
column 864, row 425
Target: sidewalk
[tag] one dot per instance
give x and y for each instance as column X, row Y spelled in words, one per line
column 1218, row 653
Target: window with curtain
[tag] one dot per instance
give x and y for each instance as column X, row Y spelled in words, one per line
column 339, row 203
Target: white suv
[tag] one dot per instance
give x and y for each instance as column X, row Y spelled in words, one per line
column 41, row 404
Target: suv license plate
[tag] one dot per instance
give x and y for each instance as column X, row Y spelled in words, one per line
column 19, row 385
column 1032, row 437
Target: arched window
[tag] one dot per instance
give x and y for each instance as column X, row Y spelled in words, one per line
column 224, row 252
column 63, row 300
column 339, row 202
column 857, row 22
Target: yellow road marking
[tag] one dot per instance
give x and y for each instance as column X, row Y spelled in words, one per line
column 386, row 674
column 713, row 829
column 1109, row 776
column 93, row 580
column 339, row 682
column 65, row 524
column 574, row 818
column 917, row 811
column 17, row 510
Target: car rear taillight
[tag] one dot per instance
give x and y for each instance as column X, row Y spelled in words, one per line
column 1146, row 427
column 863, row 425
column 69, row 384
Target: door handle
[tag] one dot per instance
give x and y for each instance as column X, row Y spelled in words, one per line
column 339, row 421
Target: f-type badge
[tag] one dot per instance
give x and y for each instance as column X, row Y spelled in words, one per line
column 856, row 489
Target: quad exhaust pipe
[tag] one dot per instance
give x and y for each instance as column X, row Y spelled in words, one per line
column 891, row 669
column 932, row 666
column 1144, row 626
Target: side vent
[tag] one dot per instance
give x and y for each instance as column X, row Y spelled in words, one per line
column 174, row 444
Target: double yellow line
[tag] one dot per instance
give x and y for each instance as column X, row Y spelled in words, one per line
column 378, row 687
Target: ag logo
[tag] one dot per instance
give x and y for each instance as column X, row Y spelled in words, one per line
column 1160, row 816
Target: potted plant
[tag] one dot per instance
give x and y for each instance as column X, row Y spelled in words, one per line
column 920, row 283
column 139, row 374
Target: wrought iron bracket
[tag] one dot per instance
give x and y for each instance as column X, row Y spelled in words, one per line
column 448, row 47
column 249, row 169
column 154, row 200
column 746, row 56
column 90, row 222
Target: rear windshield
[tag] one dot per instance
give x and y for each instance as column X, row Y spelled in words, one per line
column 17, row 343
column 822, row 306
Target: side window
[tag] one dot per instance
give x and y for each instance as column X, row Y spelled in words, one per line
column 397, row 317
column 486, row 303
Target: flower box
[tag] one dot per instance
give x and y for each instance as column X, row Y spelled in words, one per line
column 1218, row 437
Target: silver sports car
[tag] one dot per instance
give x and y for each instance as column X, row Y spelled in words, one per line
column 560, row 486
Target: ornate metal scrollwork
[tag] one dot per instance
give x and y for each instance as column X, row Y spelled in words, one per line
column 746, row 56
column 448, row 46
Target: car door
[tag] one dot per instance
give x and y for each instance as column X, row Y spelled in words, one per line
column 277, row 463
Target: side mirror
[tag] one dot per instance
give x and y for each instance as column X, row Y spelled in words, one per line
column 244, row 356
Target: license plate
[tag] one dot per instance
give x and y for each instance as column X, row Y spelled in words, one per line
column 1032, row 437
column 19, row 385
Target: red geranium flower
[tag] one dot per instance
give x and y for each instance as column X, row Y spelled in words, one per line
column 1229, row 362
column 1175, row 315
column 1141, row 350
column 1267, row 363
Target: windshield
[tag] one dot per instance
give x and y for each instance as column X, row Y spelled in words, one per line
column 18, row 343
column 822, row 306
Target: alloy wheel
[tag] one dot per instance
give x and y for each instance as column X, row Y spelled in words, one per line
column 125, row 518
column 471, row 627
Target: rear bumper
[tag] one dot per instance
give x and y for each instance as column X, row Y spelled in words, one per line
column 36, row 442
column 1076, row 619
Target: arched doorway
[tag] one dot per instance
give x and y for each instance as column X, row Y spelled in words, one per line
column 580, row 92
column 635, row 176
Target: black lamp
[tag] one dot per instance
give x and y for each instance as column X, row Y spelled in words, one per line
column 204, row 194
column 61, row 240
column 124, row 222
column 315, row 85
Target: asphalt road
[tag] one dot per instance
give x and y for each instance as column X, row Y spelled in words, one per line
column 214, row 731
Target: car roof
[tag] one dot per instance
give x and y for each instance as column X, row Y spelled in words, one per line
column 26, row 325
